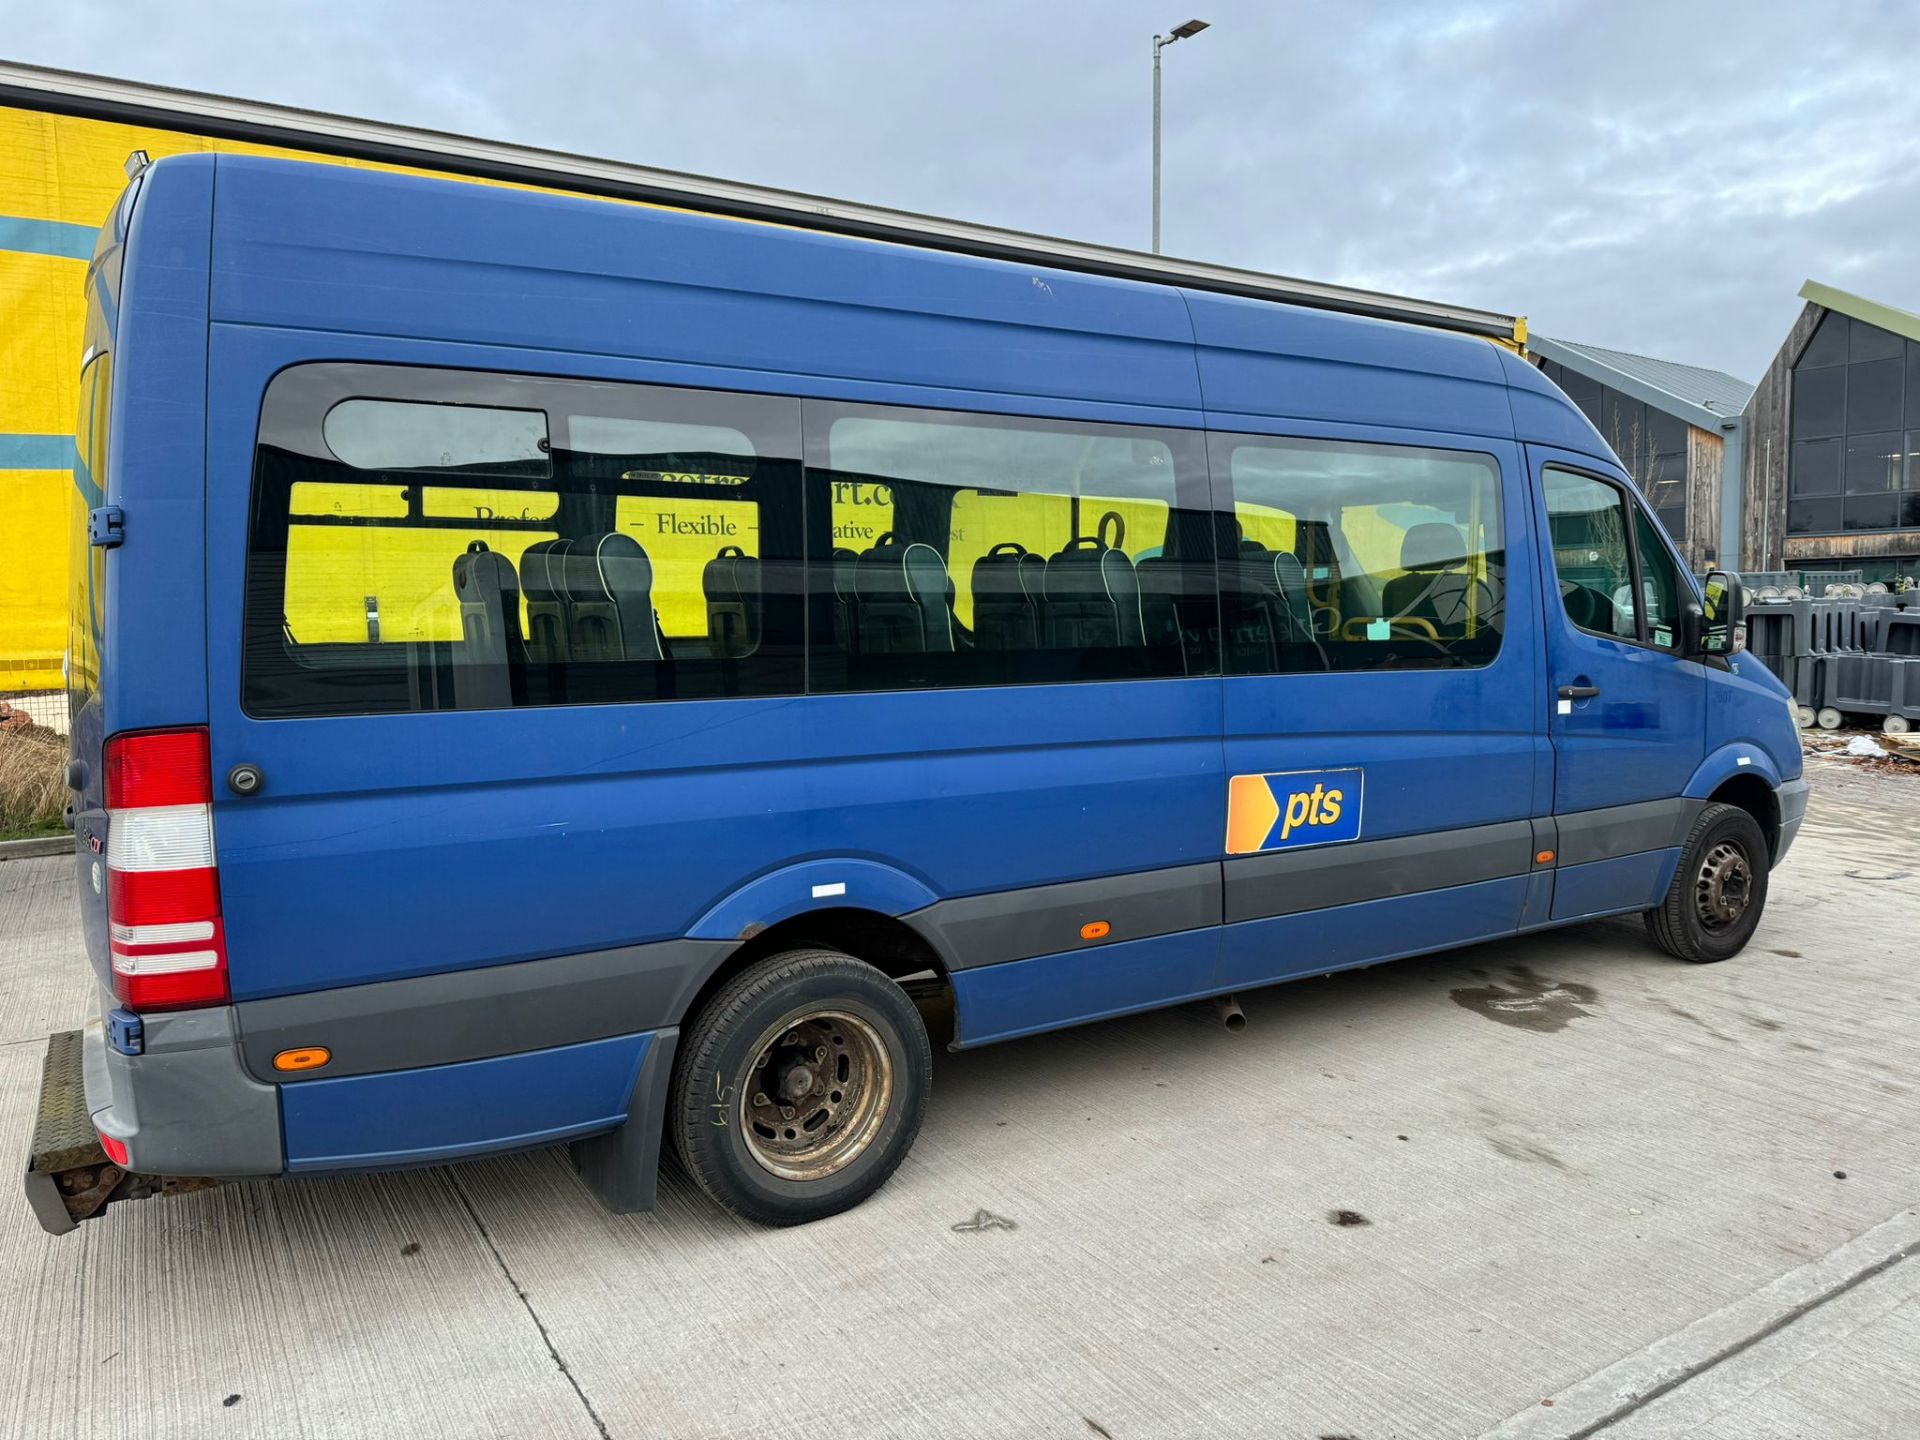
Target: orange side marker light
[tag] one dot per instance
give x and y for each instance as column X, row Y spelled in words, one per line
column 1095, row 930
column 307, row 1057
column 1545, row 857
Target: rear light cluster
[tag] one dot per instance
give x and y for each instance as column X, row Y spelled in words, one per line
column 163, row 891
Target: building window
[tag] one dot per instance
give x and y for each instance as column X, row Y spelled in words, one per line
column 1856, row 399
column 1651, row 444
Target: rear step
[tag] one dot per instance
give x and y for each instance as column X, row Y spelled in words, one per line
column 69, row 1178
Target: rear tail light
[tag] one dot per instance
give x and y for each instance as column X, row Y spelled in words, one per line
column 163, row 890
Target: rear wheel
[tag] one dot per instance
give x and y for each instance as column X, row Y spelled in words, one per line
column 1896, row 725
column 800, row 1088
column 1719, row 888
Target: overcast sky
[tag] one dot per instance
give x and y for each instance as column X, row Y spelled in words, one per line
column 1653, row 175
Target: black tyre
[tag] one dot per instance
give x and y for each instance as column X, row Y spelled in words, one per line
column 800, row 1087
column 1718, row 890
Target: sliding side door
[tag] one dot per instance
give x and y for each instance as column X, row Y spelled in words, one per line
column 1384, row 741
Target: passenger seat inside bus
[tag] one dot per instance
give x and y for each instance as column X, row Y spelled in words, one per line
column 903, row 600
column 1093, row 597
column 1437, row 586
column 609, row 587
column 489, row 596
column 543, row 578
column 1009, row 598
column 732, row 585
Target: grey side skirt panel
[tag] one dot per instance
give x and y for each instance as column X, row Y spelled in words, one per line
column 1288, row 882
column 471, row 1014
column 1589, row 835
column 1020, row 924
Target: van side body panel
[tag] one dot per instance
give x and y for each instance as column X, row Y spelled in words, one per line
column 401, row 882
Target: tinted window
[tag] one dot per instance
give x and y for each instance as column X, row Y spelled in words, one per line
column 407, row 435
column 1870, row 342
column 948, row 549
column 1873, row 463
column 1659, row 585
column 1828, row 346
column 1813, row 516
column 1816, row 467
column 1592, row 552
column 1602, row 541
column 1873, row 394
column 1856, row 383
column 1819, row 402
column 430, row 540
column 1626, row 430
column 1347, row 556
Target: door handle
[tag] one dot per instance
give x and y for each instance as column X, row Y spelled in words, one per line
column 1578, row 692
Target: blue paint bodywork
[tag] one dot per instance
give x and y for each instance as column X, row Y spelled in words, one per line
column 448, row 1112
column 384, row 847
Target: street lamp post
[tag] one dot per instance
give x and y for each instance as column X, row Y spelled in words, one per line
column 1160, row 42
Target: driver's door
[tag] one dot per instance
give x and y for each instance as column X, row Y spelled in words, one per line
column 1628, row 709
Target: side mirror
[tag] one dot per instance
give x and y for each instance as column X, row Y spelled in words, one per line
column 1723, row 625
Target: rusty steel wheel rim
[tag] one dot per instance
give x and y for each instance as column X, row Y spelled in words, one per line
column 816, row 1093
column 1724, row 886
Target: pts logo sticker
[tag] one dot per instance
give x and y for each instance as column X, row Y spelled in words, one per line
column 1287, row 811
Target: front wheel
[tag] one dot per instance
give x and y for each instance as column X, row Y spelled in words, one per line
column 801, row 1087
column 1718, row 890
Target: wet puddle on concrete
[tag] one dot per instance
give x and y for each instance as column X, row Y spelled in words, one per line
column 1531, row 1003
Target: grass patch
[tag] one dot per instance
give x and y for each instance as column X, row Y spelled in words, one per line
column 58, row 828
column 33, row 777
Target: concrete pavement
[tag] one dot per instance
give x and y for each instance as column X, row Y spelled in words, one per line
column 1561, row 1162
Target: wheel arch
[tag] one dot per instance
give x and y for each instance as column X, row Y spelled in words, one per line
column 1744, row 776
column 1754, row 795
column 888, row 943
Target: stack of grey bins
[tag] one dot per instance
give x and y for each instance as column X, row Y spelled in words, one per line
column 1852, row 657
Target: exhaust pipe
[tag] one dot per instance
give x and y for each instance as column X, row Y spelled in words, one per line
column 1227, row 1007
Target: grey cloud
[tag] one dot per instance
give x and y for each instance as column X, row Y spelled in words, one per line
column 1651, row 176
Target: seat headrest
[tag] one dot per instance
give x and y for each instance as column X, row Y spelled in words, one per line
column 601, row 565
column 1433, row 547
column 542, row 572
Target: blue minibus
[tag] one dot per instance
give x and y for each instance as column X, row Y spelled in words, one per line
column 553, row 670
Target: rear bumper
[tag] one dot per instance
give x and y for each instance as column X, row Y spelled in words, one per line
column 184, row 1105
column 1793, row 809
column 189, row 1113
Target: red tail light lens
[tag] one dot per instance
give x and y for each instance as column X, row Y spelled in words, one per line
column 159, row 767
column 163, row 888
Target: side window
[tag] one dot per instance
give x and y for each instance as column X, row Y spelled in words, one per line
column 1659, row 585
column 953, row 549
column 432, row 540
column 1587, row 519
column 1350, row 556
column 1602, row 541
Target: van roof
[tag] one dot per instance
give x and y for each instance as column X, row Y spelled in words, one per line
column 328, row 247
